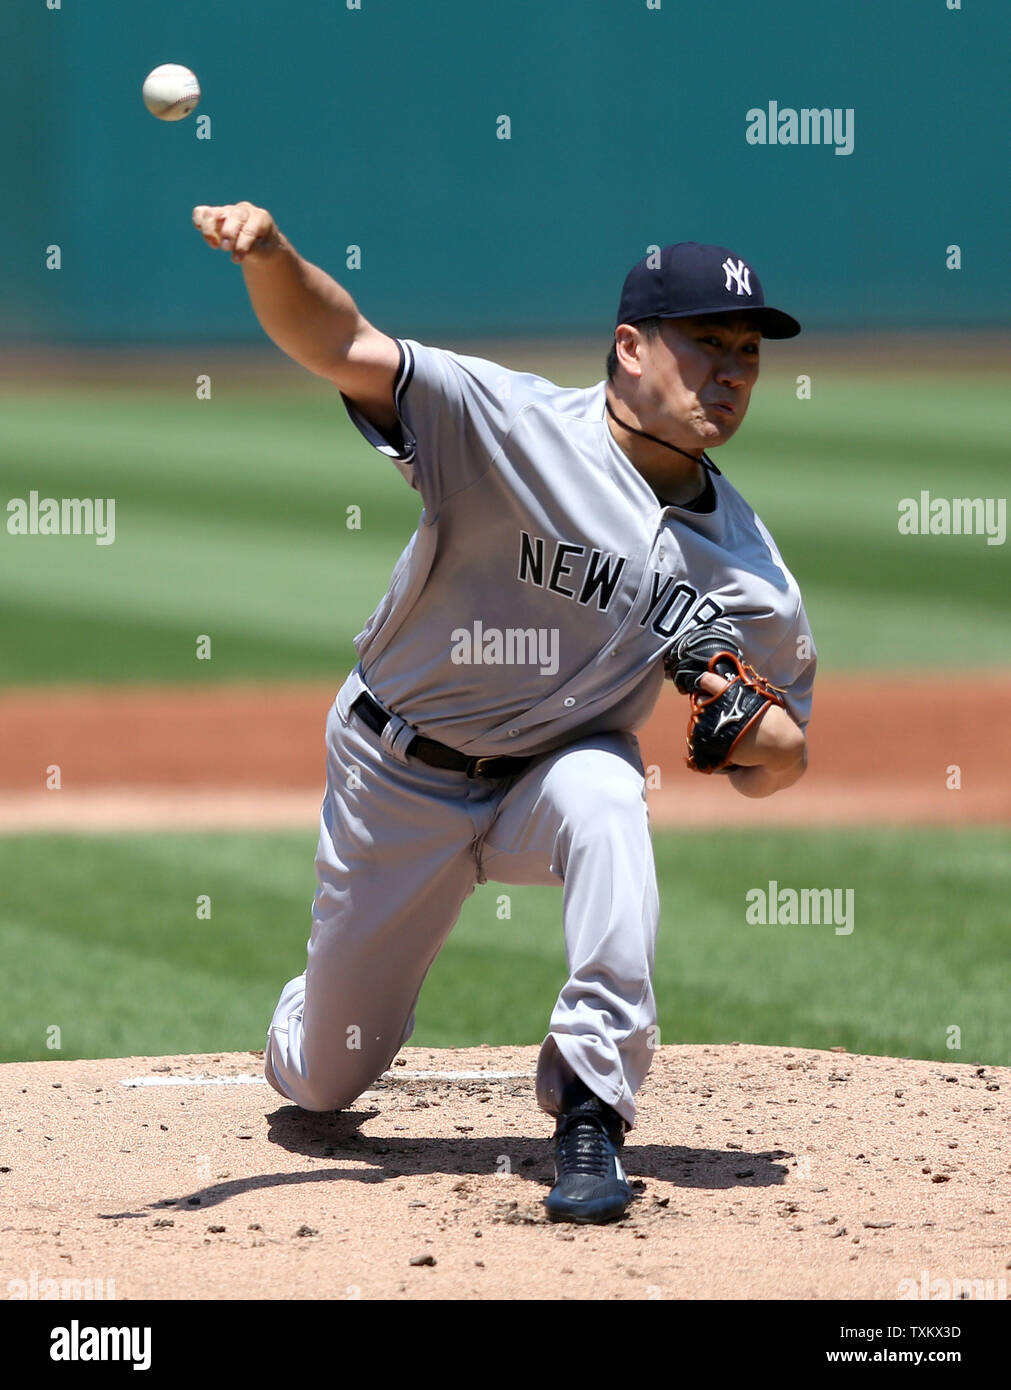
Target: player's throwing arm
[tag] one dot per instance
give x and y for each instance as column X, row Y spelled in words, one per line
column 306, row 313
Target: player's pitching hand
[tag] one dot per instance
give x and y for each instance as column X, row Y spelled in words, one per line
column 240, row 228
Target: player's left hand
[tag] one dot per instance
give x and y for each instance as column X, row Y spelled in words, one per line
column 738, row 720
column 772, row 741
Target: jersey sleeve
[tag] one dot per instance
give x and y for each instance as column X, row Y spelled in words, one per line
column 795, row 661
column 455, row 413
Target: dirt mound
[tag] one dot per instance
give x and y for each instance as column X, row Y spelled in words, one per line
column 761, row 1173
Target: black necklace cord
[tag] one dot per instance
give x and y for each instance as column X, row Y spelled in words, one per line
column 632, row 430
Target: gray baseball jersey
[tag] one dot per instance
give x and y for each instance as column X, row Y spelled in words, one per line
column 546, row 578
column 527, row 615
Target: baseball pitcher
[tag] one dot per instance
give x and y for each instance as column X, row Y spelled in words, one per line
column 576, row 548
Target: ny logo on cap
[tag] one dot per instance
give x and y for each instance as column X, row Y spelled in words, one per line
column 739, row 273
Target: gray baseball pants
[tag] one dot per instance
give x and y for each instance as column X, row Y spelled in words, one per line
column 402, row 845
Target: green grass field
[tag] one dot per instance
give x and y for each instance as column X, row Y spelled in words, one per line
column 231, row 522
column 101, row 938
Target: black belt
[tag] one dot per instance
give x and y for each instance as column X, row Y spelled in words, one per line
column 426, row 750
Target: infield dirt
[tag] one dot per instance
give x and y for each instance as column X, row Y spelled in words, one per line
column 760, row 1173
column 237, row 756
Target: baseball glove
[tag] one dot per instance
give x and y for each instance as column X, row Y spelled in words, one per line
column 717, row 722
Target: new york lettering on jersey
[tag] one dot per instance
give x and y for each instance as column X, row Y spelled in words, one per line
column 536, row 523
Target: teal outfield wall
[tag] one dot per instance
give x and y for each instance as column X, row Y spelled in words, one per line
column 377, row 127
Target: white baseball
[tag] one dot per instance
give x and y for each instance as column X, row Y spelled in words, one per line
column 171, row 92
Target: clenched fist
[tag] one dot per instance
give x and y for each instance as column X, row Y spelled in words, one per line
column 240, row 228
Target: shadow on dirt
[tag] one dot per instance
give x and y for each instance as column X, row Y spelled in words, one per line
column 336, row 1135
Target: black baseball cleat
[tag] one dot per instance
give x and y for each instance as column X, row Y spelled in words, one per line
column 590, row 1184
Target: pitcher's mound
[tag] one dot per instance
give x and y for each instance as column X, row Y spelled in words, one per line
column 760, row 1173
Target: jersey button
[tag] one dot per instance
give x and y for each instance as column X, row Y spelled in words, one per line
column 568, row 702
column 513, row 733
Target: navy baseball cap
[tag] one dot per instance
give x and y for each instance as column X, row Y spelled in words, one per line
column 688, row 279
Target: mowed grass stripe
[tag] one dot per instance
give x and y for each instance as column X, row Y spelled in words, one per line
column 885, row 413
column 120, row 1002
column 75, row 647
column 272, row 588
column 231, row 519
column 254, row 579
column 241, row 466
column 116, row 926
column 922, row 410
